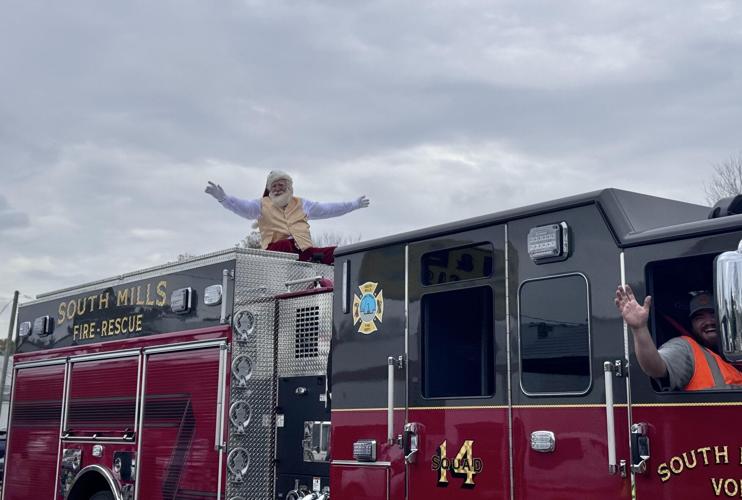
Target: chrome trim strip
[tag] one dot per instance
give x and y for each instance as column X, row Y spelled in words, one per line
column 65, row 398
column 589, row 337
column 407, row 366
column 390, row 399
column 610, row 424
column 137, row 395
column 46, row 362
column 508, row 350
column 365, row 464
column 140, row 424
column 225, row 296
column 219, row 438
column 406, row 329
column 107, row 475
column 108, row 355
column 92, row 440
column 627, row 371
column 201, row 344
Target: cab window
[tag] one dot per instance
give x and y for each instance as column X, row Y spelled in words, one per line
column 554, row 335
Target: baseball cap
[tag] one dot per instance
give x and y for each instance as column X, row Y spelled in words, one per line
column 701, row 301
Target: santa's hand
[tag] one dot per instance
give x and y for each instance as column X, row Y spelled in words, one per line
column 362, row 202
column 216, row 191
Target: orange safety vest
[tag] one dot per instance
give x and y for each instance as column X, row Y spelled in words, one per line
column 720, row 375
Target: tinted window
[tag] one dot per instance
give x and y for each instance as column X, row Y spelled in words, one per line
column 458, row 343
column 554, row 335
column 457, row 264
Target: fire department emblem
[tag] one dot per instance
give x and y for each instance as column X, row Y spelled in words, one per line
column 368, row 307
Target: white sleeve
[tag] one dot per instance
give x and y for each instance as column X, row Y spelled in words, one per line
column 249, row 209
column 321, row 210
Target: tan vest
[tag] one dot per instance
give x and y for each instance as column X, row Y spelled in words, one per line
column 279, row 224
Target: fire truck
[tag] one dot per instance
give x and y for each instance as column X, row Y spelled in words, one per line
column 201, row 379
column 482, row 359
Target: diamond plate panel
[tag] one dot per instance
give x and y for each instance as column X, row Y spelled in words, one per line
column 258, row 279
column 304, row 333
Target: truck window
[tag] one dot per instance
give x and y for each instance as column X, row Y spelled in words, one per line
column 458, row 343
column 554, row 335
column 457, row 264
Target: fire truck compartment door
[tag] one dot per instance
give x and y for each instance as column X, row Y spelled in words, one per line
column 181, row 416
column 33, row 437
column 455, row 443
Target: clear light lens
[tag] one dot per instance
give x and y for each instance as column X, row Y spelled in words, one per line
column 213, row 295
column 24, row 330
column 545, row 242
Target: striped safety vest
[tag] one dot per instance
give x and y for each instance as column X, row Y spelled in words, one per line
column 710, row 371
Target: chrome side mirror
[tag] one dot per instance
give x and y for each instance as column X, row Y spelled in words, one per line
column 728, row 297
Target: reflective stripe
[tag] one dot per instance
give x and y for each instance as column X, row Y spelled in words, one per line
column 719, row 382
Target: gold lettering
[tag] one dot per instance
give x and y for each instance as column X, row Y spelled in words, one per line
column 139, row 322
column 88, row 331
column 685, row 459
column 679, row 468
column 148, row 301
column 117, row 326
column 122, row 297
column 717, row 486
column 71, row 310
column 464, row 462
column 161, row 286
column 104, row 328
column 443, row 478
column 720, row 454
column 663, row 472
column 705, row 454
column 62, row 313
column 140, row 301
column 103, row 301
column 75, row 332
column 81, row 309
column 735, row 487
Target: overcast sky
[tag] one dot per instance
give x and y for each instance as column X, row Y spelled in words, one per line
column 113, row 116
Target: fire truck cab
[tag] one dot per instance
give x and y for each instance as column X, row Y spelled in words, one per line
column 486, row 359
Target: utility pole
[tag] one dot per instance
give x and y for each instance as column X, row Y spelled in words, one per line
column 8, row 343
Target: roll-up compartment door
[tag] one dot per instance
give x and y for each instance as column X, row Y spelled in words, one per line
column 33, row 436
column 177, row 452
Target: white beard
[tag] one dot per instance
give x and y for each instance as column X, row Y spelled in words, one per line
column 281, row 200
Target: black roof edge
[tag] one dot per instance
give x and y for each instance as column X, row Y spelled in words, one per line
column 617, row 207
column 473, row 223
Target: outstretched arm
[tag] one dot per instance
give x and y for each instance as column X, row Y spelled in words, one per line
column 636, row 317
column 249, row 209
column 321, row 210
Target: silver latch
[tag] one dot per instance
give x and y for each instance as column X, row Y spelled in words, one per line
column 639, row 448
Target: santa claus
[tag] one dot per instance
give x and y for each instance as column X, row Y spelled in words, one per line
column 282, row 218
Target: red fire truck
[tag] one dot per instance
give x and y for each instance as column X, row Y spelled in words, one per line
column 203, row 379
column 483, row 359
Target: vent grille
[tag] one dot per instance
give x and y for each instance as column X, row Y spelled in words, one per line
column 307, row 332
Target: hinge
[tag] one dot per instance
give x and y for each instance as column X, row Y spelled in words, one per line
column 619, row 368
column 400, row 361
